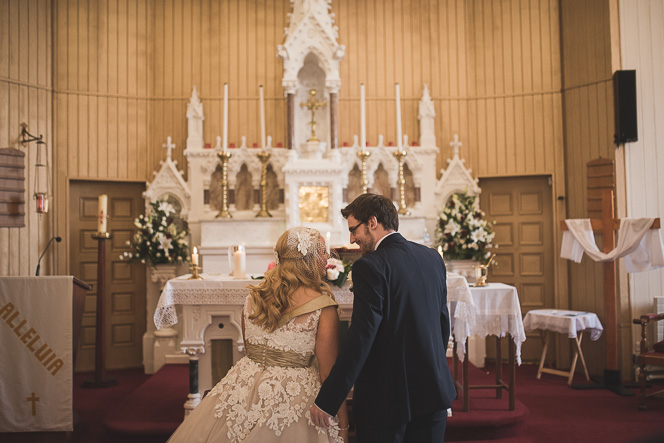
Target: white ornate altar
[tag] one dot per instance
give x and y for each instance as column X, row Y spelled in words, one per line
column 303, row 172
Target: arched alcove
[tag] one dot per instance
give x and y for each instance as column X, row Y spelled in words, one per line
column 381, row 183
column 244, row 192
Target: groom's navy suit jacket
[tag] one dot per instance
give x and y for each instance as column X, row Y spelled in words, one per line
column 395, row 350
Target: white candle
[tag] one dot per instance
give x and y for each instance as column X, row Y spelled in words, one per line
column 225, row 145
column 399, row 140
column 440, row 251
column 194, row 257
column 102, row 220
column 240, row 260
column 218, row 147
column 363, row 121
column 263, row 139
column 327, row 242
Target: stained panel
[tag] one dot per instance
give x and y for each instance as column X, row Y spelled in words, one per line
column 531, row 264
column 122, row 302
column 531, row 234
column 501, row 204
column 122, row 334
column 530, row 203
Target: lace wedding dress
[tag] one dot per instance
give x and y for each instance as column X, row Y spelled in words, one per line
column 266, row 395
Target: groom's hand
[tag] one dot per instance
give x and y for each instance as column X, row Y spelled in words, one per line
column 320, row 417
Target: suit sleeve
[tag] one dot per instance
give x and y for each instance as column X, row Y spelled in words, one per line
column 368, row 292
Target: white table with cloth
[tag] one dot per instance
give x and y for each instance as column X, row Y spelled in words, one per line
column 217, row 299
column 572, row 323
column 498, row 313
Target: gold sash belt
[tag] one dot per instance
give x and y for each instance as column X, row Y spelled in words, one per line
column 267, row 356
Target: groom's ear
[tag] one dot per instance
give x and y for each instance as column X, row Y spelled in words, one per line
column 372, row 223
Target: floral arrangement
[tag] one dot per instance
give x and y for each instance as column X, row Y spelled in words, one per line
column 337, row 271
column 462, row 231
column 158, row 240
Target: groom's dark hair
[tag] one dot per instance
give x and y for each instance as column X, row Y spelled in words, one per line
column 369, row 205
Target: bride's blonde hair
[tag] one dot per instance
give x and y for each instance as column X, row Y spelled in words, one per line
column 300, row 257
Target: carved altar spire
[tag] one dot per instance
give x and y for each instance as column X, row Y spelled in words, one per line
column 426, row 115
column 195, row 117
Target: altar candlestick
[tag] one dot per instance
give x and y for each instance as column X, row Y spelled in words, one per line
column 327, row 242
column 399, row 139
column 363, row 128
column 225, row 145
column 194, row 257
column 102, row 221
column 263, row 139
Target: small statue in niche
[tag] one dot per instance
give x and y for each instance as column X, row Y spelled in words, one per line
column 354, row 188
column 381, row 183
column 272, row 189
column 244, row 192
column 215, row 189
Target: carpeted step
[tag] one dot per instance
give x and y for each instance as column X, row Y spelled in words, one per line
column 488, row 418
column 153, row 411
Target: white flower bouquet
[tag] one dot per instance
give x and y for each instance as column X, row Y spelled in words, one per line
column 337, row 271
column 462, row 231
column 158, row 240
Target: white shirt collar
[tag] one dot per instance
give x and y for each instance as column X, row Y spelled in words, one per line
column 383, row 238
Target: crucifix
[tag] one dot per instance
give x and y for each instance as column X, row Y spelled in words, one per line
column 601, row 183
column 456, row 144
column 312, row 104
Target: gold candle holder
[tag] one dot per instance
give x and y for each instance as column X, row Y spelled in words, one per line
column 195, row 269
column 263, row 157
column 224, row 156
column 399, row 155
column 364, row 155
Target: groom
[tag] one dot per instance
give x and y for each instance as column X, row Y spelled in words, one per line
column 395, row 351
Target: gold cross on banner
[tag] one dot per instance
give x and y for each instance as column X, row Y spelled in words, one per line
column 34, row 399
column 312, row 105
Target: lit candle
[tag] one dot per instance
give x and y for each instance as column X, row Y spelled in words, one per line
column 327, row 242
column 225, row 145
column 194, row 257
column 263, row 139
column 240, row 260
column 399, row 140
column 102, row 220
column 440, row 251
column 363, row 121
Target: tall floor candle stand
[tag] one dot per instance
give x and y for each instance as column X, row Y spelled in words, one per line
column 100, row 380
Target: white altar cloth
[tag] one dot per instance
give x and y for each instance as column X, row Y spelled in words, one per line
column 462, row 311
column 214, row 290
column 564, row 322
column 36, row 364
column 498, row 312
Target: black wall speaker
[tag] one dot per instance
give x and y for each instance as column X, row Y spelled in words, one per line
column 624, row 99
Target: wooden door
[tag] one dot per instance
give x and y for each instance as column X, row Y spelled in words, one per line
column 125, row 284
column 523, row 210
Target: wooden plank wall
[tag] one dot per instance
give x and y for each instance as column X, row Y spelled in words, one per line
column 642, row 40
column 25, row 96
column 588, row 119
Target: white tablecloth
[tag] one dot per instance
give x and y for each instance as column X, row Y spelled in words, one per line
column 564, row 322
column 498, row 312
column 462, row 310
column 213, row 290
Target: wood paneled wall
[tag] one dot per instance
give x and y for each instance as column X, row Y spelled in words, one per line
column 642, row 40
column 26, row 97
column 588, row 119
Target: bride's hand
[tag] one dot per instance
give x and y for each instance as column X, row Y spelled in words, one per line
column 344, row 434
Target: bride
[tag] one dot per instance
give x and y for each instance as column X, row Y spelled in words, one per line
column 291, row 333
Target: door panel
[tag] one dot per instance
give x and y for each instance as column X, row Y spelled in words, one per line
column 523, row 210
column 125, row 292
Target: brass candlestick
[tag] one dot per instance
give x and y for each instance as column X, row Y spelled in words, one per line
column 224, row 156
column 364, row 155
column 263, row 157
column 312, row 104
column 399, row 155
column 195, row 269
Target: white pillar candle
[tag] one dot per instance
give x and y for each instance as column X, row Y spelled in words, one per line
column 263, row 139
column 194, row 257
column 327, row 242
column 225, row 145
column 399, row 140
column 363, row 121
column 240, row 260
column 102, row 220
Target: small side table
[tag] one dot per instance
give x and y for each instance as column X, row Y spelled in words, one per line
column 572, row 323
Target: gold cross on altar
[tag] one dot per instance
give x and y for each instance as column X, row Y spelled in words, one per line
column 34, row 399
column 312, row 105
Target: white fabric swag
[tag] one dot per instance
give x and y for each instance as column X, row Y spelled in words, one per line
column 641, row 246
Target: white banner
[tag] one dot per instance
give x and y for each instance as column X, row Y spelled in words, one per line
column 36, row 363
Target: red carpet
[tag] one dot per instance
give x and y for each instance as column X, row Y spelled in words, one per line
column 557, row 413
